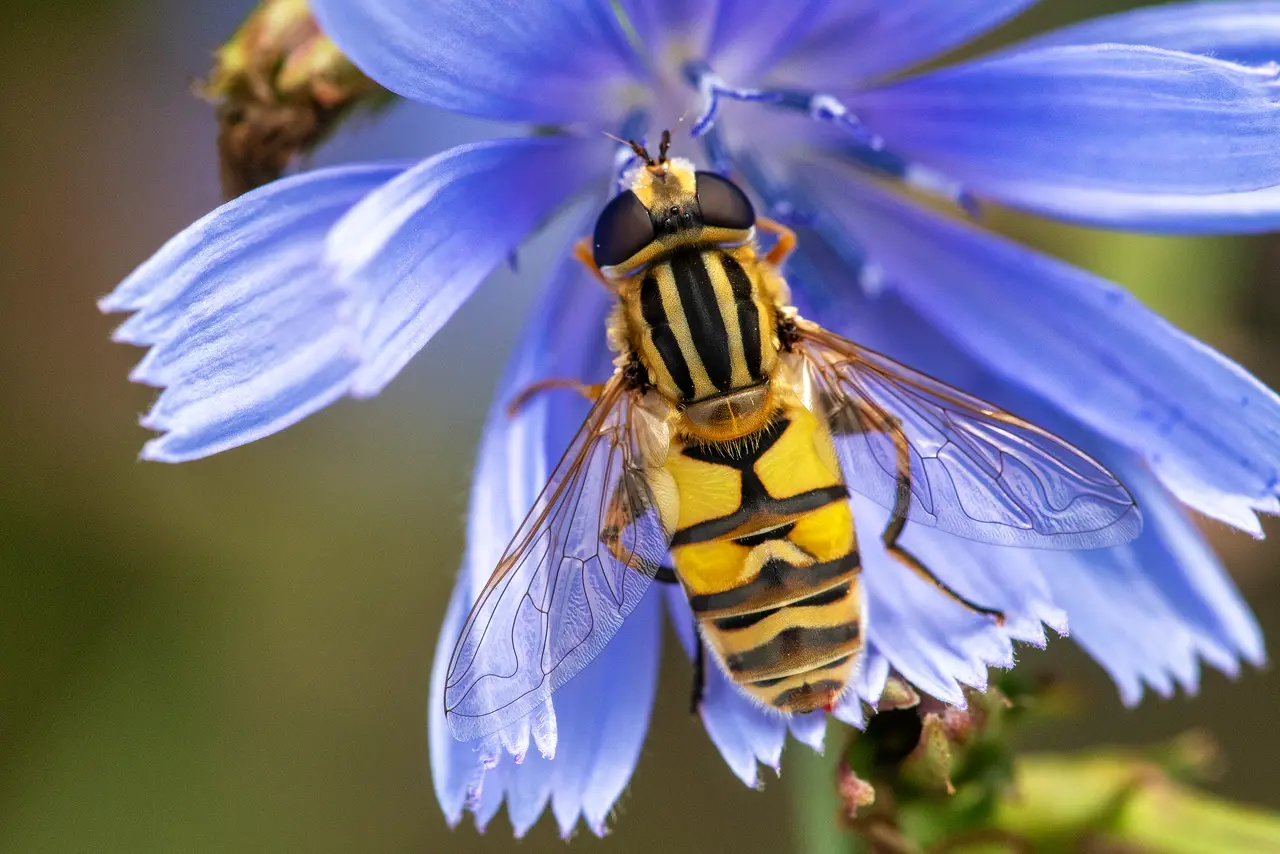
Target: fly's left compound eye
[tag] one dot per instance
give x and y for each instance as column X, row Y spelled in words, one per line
column 722, row 202
column 622, row 230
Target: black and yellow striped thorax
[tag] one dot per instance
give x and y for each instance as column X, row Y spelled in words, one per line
column 700, row 323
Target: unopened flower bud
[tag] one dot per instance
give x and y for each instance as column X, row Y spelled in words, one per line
column 280, row 86
column 855, row 793
column 961, row 726
column 929, row 765
column 898, row 694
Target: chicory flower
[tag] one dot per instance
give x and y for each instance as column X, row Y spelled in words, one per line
column 325, row 284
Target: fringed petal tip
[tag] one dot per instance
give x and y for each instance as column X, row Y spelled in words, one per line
column 1219, row 455
column 325, row 284
column 580, row 765
column 584, row 747
column 749, row 735
column 245, row 329
column 1150, row 611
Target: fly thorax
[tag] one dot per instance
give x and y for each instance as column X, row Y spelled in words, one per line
column 704, row 332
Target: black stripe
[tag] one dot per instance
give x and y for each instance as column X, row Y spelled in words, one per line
column 789, row 644
column 748, row 313
column 779, row 533
column 806, row 695
column 826, row 597
column 756, row 501
column 776, row 576
column 740, row 455
column 752, row 508
column 702, row 313
column 769, row 683
column 831, row 665
column 664, row 340
column 742, row 621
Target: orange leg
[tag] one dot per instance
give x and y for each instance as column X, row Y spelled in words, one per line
column 590, row 391
column 582, row 252
column 785, row 244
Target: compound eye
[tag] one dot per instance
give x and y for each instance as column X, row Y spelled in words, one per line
column 722, row 202
column 623, row 229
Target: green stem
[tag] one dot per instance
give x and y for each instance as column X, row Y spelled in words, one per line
column 813, row 803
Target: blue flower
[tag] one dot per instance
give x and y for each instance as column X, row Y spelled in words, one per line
column 1165, row 119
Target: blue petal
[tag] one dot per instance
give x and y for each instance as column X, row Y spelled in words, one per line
column 249, row 332
column 747, row 38
column 662, row 25
column 933, row 642
column 326, row 284
column 853, row 42
column 511, row 467
column 564, row 337
column 604, row 717
column 868, row 687
column 299, row 208
column 455, row 769
column 1129, row 137
column 1206, row 426
column 1244, row 32
column 603, row 713
column 1147, row 611
column 550, row 62
column 744, row 733
column 419, row 246
column 809, row 728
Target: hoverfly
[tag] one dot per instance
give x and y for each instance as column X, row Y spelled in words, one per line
column 719, row 456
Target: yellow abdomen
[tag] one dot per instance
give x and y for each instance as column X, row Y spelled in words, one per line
column 766, row 551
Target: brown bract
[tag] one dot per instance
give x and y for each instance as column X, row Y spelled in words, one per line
column 280, row 87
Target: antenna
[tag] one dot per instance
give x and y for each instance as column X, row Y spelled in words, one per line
column 639, row 149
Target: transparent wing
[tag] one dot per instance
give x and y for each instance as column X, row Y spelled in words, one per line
column 944, row 458
column 578, row 565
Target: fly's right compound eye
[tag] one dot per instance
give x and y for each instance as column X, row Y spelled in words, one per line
column 623, row 229
column 722, row 203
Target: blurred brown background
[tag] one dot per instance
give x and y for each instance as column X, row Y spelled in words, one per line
column 233, row 654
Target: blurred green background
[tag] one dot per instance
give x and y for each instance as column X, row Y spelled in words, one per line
column 233, row 654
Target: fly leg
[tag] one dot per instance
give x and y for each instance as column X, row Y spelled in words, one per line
column 699, row 673
column 631, row 501
column 590, row 391
column 667, row 575
column 785, row 244
column 890, row 425
column 582, row 252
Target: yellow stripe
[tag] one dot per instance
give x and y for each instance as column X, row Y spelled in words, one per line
column 804, row 664
column 657, row 369
column 740, row 376
column 843, row 673
column 659, row 374
column 679, row 324
column 843, row 610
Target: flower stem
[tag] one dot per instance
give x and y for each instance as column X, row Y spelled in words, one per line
column 814, row 806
